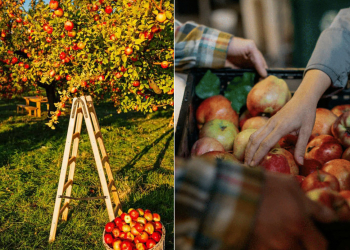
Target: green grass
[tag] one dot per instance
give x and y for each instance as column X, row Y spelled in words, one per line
column 140, row 149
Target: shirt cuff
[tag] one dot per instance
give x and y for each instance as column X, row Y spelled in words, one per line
column 212, row 51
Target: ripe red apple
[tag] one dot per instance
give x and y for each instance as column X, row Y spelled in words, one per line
column 332, row 200
column 108, row 239
column 255, row 122
column 108, row 9
column 341, row 129
column 216, row 107
column 59, row 12
column 128, row 51
column 222, row 130
column 240, row 143
column 320, row 179
column 206, row 144
column 340, row 109
column 244, row 117
column 53, row 4
column 340, row 168
column 268, row 96
column 68, row 25
column 323, row 148
column 161, row 17
column 164, row 64
column 310, row 166
column 323, row 122
column 280, row 160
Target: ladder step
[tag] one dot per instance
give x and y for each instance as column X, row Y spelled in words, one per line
column 71, row 160
column 76, row 135
column 63, row 208
column 98, row 134
column 68, row 183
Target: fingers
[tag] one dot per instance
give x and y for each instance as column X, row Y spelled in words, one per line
column 300, row 147
column 312, row 239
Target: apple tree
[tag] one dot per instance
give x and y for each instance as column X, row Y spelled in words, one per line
column 116, row 49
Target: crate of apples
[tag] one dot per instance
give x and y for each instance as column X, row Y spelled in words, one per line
column 137, row 229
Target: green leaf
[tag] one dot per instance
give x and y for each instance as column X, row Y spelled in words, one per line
column 238, row 89
column 208, row 86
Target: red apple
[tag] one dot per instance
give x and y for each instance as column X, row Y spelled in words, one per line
column 206, row 144
column 268, row 96
column 255, row 122
column 161, row 17
column 244, row 117
column 222, row 130
column 310, row 166
column 323, row 122
column 240, row 143
column 216, row 107
column 340, row 109
column 68, row 25
column 340, row 168
column 320, row 179
column 323, row 148
column 280, row 160
column 341, row 129
column 332, row 200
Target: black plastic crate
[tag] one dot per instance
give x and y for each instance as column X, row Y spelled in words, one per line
column 337, row 234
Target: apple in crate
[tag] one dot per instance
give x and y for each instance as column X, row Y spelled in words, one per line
column 341, row 129
column 340, row 168
column 268, row 96
column 280, row 160
column 206, row 144
column 323, row 148
column 221, row 130
column 216, row 107
column 320, row 179
column 323, row 122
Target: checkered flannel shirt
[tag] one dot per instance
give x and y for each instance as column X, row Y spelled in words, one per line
column 199, row 46
column 215, row 204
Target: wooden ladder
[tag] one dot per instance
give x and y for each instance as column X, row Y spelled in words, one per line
column 83, row 107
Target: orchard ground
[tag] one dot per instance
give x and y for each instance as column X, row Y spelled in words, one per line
column 140, row 149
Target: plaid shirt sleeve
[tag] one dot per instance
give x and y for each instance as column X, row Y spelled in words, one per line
column 215, row 204
column 199, row 46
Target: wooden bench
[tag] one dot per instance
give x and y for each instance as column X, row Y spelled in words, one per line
column 22, row 107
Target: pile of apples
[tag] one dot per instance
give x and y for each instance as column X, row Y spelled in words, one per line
column 325, row 173
column 137, row 229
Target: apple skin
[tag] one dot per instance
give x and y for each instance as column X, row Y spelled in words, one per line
column 340, row 168
column 206, row 144
column 225, row 156
column 288, row 142
column 346, row 195
column 340, row 109
column 332, row 200
column 280, row 160
column 221, row 130
column 320, row 179
column 323, row 148
column 240, row 143
column 323, row 122
column 255, row 122
column 244, row 117
column 215, row 107
column 346, row 154
column 310, row 166
column 341, row 129
column 268, row 96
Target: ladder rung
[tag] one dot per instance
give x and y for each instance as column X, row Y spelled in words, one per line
column 110, row 185
column 68, row 183
column 76, row 135
column 98, row 134
column 63, row 208
column 71, row 160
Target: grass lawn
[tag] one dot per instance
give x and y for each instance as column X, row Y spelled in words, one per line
column 140, row 148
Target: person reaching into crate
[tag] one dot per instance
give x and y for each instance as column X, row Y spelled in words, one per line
column 328, row 68
column 225, row 205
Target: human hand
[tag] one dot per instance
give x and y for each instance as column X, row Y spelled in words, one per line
column 296, row 117
column 243, row 53
column 284, row 219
